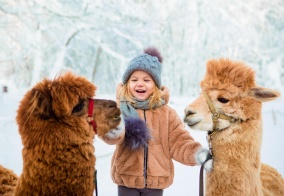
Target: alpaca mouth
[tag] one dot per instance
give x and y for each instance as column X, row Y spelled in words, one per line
column 191, row 124
column 116, row 118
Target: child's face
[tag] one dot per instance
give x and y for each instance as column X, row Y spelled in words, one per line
column 141, row 85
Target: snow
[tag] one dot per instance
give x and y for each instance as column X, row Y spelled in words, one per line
column 42, row 39
column 186, row 181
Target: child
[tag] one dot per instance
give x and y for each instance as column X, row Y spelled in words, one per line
column 154, row 134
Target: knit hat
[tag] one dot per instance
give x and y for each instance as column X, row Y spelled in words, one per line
column 149, row 62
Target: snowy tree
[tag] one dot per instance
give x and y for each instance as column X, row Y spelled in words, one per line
column 97, row 39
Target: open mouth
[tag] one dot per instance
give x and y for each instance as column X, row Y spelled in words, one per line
column 140, row 91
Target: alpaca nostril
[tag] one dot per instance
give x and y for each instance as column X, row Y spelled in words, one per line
column 189, row 112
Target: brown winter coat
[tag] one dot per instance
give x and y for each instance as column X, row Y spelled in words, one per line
column 170, row 140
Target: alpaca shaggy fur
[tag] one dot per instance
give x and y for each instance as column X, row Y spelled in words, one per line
column 236, row 146
column 8, row 181
column 58, row 152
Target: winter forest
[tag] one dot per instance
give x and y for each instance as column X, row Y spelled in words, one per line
column 96, row 39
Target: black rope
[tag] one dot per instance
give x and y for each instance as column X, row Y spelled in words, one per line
column 96, row 182
column 201, row 189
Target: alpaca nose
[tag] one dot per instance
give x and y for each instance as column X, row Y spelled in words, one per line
column 189, row 112
column 112, row 104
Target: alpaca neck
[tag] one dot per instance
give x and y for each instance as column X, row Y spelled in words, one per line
column 236, row 156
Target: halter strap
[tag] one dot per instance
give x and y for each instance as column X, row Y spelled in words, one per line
column 90, row 118
column 216, row 115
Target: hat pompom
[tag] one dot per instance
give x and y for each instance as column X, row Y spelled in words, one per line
column 154, row 52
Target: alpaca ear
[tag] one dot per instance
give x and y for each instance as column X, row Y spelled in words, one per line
column 263, row 94
column 42, row 104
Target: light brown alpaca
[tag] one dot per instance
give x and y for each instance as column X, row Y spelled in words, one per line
column 58, row 152
column 236, row 143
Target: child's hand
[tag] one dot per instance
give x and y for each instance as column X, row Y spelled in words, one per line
column 115, row 133
column 203, row 155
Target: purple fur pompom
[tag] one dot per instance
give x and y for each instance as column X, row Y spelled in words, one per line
column 154, row 52
column 136, row 133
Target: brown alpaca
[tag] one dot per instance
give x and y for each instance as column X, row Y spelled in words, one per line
column 236, row 136
column 8, row 181
column 58, row 152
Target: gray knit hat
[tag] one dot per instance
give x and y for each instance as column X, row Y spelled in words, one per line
column 150, row 62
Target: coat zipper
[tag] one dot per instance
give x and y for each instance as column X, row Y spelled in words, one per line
column 145, row 157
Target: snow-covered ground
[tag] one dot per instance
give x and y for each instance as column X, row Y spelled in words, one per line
column 186, row 180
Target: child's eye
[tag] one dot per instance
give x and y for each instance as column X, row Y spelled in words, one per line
column 133, row 80
column 147, row 80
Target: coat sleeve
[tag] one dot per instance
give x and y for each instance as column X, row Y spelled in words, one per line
column 183, row 147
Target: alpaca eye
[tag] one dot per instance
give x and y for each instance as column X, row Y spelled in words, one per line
column 223, row 100
column 78, row 107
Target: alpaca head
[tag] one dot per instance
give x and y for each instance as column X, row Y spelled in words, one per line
column 231, row 88
column 56, row 112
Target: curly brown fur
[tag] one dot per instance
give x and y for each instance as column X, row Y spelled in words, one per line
column 232, row 76
column 58, row 151
column 8, row 181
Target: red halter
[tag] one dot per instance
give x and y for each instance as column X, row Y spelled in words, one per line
column 90, row 118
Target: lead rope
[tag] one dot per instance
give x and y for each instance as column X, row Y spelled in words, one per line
column 96, row 183
column 210, row 156
column 201, row 185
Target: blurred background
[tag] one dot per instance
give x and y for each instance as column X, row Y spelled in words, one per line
column 98, row 38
